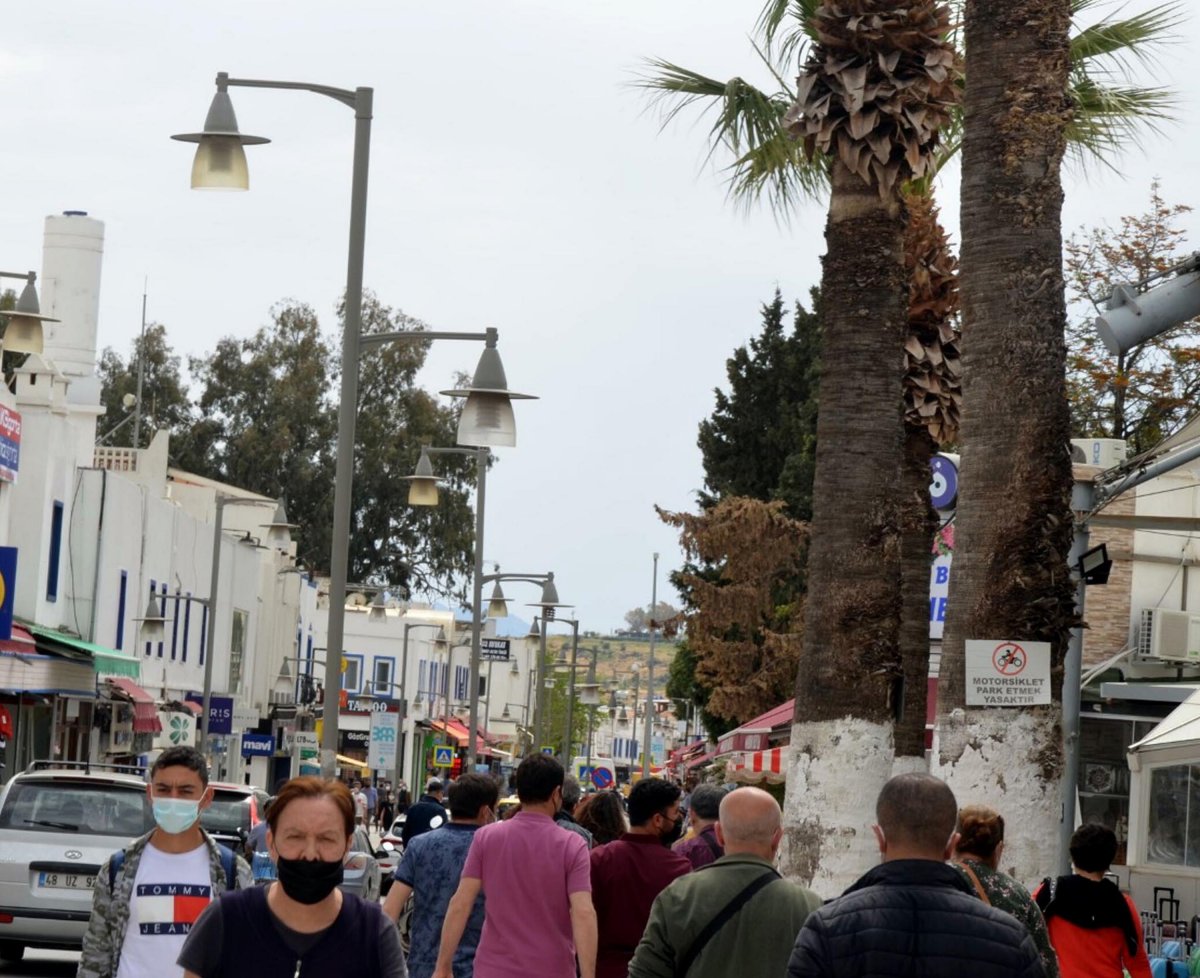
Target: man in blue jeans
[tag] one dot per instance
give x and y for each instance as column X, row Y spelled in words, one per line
column 429, row 873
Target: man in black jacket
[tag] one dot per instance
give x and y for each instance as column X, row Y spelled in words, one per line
column 914, row 915
column 428, row 813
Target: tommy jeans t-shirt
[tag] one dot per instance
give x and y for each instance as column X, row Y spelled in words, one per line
column 171, row 890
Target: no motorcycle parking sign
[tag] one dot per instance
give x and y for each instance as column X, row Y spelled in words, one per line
column 1007, row 673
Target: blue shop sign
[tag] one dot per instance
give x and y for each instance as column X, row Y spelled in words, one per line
column 220, row 712
column 257, row 745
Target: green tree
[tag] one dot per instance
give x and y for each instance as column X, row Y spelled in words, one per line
column 761, row 438
column 1147, row 393
column 165, row 404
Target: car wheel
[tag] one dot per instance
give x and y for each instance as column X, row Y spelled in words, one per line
column 11, row 952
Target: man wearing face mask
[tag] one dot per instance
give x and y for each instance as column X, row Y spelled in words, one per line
column 913, row 914
column 629, row 873
column 148, row 895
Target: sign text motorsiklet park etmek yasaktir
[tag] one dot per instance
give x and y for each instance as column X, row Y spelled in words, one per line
column 1003, row 672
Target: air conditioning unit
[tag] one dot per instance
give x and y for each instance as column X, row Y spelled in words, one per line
column 1105, row 452
column 1170, row 635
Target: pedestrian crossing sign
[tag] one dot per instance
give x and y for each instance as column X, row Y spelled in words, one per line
column 443, row 757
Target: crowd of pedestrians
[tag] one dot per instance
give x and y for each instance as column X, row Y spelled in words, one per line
column 593, row 887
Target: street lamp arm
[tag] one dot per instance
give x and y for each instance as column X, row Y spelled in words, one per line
column 343, row 95
column 411, row 335
column 527, row 578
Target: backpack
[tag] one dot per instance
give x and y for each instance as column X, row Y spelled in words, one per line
column 228, row 863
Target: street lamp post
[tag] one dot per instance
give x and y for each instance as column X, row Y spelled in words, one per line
column 650, row 674
column 486, row 418
column 440, row 642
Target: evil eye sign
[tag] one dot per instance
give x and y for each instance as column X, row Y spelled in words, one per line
column 943, row 487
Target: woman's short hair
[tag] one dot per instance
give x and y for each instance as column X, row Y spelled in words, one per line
column 602, row 814
column 980, row 830
column 310, row 786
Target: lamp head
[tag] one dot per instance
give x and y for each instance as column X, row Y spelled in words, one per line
column 441, row 643
column 378, row 610
column 24, row 331
column 423, row 484
column 549, row 603
column 534, row 631
column 487, row 416
column 505, row 714
column 220, row 161
column 497, row 605
column 279, row 530
column 153, row 622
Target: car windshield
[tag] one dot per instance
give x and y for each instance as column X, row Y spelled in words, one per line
column 228, row 814
column 91, row 808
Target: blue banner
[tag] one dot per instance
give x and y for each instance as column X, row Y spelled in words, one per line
column 220, row 712
column 8, row 590
column 257, row 745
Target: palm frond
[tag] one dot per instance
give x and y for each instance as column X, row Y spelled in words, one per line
column 787, row 47
column 1110, row 119
column 768, row 164
column 1128, row 40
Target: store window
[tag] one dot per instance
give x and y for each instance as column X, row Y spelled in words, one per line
column 383, row 677
column 1174, row 834
column 1104, row 773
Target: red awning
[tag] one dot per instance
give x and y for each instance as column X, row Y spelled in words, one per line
column 697, row 761
column 22, row 643
column 196, row 708
column 145, row 709
column 763, row 765
column 755, row 734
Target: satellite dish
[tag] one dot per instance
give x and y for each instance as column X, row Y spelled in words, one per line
column 1078, row 454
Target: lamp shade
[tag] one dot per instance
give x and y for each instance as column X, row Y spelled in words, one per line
column 279, row 530
column 549, row 603
column 497, row 605
column 220, row 160
column 487, row 416
column 24, row 331
column 441, row 643
column 589, row 694
column 153, row 622
column 423, row 484
column 378, row 610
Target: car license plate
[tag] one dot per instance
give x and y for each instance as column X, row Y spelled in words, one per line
column 65, row 881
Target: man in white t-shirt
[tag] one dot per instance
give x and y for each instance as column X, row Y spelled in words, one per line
column 361, row 806
column 148, row 895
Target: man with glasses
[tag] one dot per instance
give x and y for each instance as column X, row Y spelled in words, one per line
column 629, row 873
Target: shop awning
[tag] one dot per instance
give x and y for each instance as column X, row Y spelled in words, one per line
column 345, row 761
column 25, row 668
column 105, row 661
column 190, row 705
column 756, row 734
column 763, row 765
column 1175, row 740
column 698, row 761
column 145, row 708
column 458, row 733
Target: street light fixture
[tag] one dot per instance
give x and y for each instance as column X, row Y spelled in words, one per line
column 486, row 418
column 24, row 331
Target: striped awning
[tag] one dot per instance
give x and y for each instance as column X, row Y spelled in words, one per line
column 763, row 765
column 145, row 708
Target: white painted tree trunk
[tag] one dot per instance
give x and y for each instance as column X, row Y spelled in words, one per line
column 1011, row 760
column 910, row 765
column 835, row 771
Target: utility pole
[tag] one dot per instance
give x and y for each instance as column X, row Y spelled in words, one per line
column 650, row 675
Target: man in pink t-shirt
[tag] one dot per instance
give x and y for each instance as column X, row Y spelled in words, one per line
column 530, row 872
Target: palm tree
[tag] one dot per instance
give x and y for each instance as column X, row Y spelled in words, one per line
column 767, row 165
column 875, row 92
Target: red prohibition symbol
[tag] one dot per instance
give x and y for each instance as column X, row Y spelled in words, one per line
column 1009, row 659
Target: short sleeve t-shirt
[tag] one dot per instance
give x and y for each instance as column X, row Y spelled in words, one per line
column 432, row 865
column 529, row 867
column 170, row 892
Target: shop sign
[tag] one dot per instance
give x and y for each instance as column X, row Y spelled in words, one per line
column 382, row 749
column 257, row 745
column 220, row 712
column 8, row 590
column 494, row 649
column 10, row 444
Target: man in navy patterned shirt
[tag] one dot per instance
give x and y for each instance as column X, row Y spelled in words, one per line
column 430, row 871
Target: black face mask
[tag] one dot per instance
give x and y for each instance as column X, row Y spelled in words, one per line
column 308, row 881
column 675, row 834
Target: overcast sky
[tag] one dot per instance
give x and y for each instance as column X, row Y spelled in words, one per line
column 517, row 181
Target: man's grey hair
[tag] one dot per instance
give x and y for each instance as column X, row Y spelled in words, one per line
column 571, row 792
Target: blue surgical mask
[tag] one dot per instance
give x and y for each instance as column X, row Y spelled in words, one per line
column 175, row 815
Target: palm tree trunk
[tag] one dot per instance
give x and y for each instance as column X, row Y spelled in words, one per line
column 1010, row 577
column 842, row 746
column 916, row 557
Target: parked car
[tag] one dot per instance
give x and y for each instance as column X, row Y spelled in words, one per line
column 59, row 822
column 235, row 810
column 361, row 868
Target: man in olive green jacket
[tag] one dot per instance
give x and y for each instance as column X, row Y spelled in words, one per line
column 760, row 912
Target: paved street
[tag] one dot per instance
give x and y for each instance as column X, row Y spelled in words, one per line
column 43, row 964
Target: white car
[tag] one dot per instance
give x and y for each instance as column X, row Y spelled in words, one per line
column 58, row 824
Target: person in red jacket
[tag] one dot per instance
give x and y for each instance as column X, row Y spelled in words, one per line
column 1094, row 927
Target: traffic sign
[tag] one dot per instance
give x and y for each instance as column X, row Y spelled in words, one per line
column 602, row 778
column 548, row 749
column 443, row 756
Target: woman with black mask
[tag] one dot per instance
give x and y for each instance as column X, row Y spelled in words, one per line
column 302, row 925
